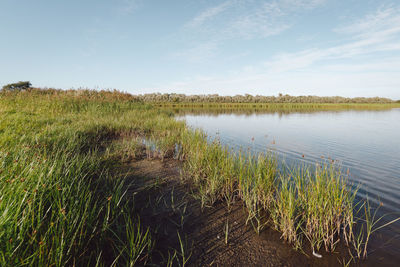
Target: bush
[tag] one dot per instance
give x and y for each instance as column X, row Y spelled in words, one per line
column 17, row 86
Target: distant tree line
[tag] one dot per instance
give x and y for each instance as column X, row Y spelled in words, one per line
column 247, row 98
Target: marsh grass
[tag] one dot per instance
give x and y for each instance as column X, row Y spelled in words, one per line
column 363, row 224
column 61, row 199
column 63, row 202
column 135, row 246
column 308, row 206
column 261, row 108
column 180, row 257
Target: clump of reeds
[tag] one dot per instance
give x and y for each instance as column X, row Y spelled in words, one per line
column 308, row 206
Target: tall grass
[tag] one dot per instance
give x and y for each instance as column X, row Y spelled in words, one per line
column 62, row 201
column 309, row 206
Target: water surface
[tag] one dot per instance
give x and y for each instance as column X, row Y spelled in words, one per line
column 367, row 143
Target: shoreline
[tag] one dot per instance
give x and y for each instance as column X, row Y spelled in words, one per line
column 205, row 227
column 59, row 155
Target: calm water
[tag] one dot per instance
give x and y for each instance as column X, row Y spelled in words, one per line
column 365, row 142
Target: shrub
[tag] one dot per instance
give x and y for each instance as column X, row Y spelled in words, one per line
column 17, row 86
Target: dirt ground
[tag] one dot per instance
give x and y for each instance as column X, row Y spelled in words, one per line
column 186, row 233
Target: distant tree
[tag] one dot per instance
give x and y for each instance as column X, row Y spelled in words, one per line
column 19, row 86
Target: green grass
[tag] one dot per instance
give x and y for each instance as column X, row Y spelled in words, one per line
column 309, row 206
column 63, row 202
column 300, row 204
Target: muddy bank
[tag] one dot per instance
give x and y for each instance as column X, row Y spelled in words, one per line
column 183, row 232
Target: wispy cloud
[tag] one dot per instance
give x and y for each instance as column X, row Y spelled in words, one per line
column 343, row 79
column 208, row 14
column 376, row 32
column 249, row 19
column 385, row 21
column 306, row 4
column 238, row 20
column 358, row 62
column 126, row 7
column 266, row 20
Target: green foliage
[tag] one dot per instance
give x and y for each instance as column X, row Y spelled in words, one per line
column 17, row 86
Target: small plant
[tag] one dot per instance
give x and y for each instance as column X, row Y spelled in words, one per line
column 181, row 257
column 367, row 225
column 226, row 231
column 138, row 244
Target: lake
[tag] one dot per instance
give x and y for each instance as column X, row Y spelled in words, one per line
column 365, row 142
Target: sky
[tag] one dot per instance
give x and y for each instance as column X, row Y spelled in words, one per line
column 297, row 47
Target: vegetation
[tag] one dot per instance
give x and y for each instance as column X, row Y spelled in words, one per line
column 278, row 108
column 315, row 207
column 61, row 202
column 215, row 98
column 64, row 202
column 17, row 86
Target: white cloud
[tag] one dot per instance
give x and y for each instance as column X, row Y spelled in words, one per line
column 319, row 82
column 208, row 14
column 127, row 7
column 384, row 19
column 378, row 32
column 306, row 4
column 386, row 64
column 264, row 21
column 356, row 66
column 237, row 19
column 248, row 19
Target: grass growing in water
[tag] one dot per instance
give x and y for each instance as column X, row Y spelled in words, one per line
column 315, row 207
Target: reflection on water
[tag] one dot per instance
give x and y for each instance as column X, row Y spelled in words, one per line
column 365, row 142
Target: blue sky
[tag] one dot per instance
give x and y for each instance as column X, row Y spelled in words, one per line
column 299, row 47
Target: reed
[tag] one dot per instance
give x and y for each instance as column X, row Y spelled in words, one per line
column 62, row 200
column 309, row 206
column 282, row 108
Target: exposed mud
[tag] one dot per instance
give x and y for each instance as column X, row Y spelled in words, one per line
column 212, row 236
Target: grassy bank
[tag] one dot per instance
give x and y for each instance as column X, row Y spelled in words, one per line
column 60, row 201
column 63, row 202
